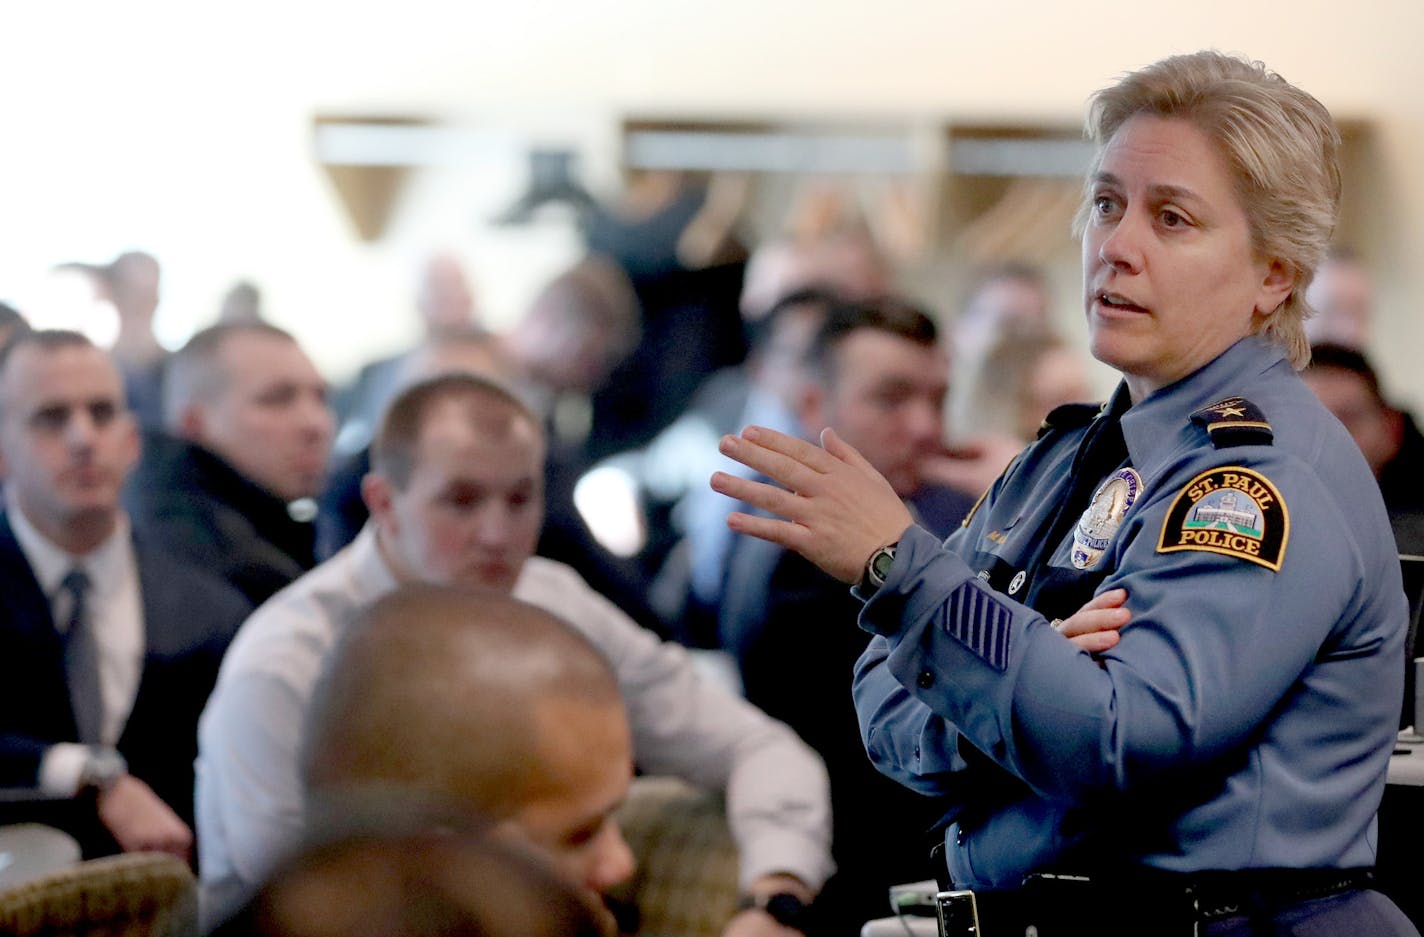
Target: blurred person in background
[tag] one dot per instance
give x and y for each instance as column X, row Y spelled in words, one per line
column 1343, row 297
column 242, row 304
column 132, row 281
column 1347, row 384
column 445, row 302
column 231, row 482
column 1020, row 381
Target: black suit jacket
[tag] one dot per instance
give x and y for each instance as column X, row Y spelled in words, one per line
column 189, row 617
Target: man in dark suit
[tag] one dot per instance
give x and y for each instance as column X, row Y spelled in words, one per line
column 875, row 371
column 108, row 646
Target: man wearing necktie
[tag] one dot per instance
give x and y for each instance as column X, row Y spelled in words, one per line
column 108, row 646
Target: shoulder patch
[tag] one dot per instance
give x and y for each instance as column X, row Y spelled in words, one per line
column 1235, row 421
column 1069, row 416
column 1233, row 511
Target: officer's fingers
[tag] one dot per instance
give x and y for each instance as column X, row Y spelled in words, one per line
column 1113, row 598
column 759, row 494
column 798, row 450
column 1090, row 621
column 844, row 451
column 1097, row 642
column 776, row 465
column 766, row 528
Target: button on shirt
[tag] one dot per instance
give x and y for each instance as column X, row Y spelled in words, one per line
column 115, row 613
column 1245, row 719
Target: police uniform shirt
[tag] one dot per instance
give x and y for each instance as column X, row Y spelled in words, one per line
column 1247, row 716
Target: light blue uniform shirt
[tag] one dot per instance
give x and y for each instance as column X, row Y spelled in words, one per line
column 1245, row 720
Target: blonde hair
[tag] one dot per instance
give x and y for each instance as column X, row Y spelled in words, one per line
column 1282, row 149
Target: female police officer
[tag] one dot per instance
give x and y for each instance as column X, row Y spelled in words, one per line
column 1220, row 767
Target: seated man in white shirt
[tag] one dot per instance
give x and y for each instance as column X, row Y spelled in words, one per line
column 456, row 497
column 479, row 703
column 108, row 644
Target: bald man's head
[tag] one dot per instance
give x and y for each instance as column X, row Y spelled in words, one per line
column 486, row 701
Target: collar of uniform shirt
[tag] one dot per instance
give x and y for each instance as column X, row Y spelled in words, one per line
column 1149, row 445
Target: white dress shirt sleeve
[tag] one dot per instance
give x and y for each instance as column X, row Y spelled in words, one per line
column 777, row 792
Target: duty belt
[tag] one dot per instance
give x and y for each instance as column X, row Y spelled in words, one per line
column 1136, row 903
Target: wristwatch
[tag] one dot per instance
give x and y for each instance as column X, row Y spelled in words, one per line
column 102, row 768
column 786, row 909
column 876, row 569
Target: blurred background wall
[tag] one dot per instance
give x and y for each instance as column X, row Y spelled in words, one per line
column 186, row 129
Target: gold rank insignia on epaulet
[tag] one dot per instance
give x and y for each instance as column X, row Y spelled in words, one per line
column 1235, row 421
column 1234, row 511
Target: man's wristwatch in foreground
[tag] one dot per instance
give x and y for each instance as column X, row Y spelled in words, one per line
column 102, row 768
column 876, row 569
column 786, row 909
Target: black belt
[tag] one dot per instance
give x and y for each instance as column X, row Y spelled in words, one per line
column 1138, row 902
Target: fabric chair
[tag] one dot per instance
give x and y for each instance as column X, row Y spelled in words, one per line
column 685, row 884
column 142, row 894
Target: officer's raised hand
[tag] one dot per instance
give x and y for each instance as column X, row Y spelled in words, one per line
column 837, row 509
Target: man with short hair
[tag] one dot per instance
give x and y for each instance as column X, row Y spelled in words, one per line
column 248, row 437
column 132, row 282
column 489, row 704
column 875, row 371
column 1388, row 437
column 456, row 497
column 108, row 646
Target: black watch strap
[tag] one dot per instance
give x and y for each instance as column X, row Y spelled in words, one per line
column 785, row 908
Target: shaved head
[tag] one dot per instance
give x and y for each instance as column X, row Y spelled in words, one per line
column 491, row 704
column 437, row 687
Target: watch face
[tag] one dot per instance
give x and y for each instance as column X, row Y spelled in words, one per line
column 881, row 563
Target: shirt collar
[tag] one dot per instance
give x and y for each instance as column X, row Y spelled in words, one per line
column 371, row 576
column 1160, row 425
column 105, row 564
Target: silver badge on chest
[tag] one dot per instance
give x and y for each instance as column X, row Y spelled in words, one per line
column 1100, row 522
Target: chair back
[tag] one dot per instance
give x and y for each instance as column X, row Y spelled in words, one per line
column 685, row 884
column 142, row 894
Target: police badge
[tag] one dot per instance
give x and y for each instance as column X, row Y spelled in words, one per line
column 1100, row 522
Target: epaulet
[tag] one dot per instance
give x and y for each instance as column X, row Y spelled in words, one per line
column 1235, row 421
column 1069, row 416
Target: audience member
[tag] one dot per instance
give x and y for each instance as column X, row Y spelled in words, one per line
column 242, row 304
column 497, row 706
column 110, row 644
column 248, row 436
column 131, row 282
column 1009, row 300
column 1389, row 438
column 877, row 374
column 343, row 513
column 382, row 867
column 1343, row 297
column 11, row 322
column 1021, row 379
column 446, row 305
column 766, row 390
column 456, row 496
